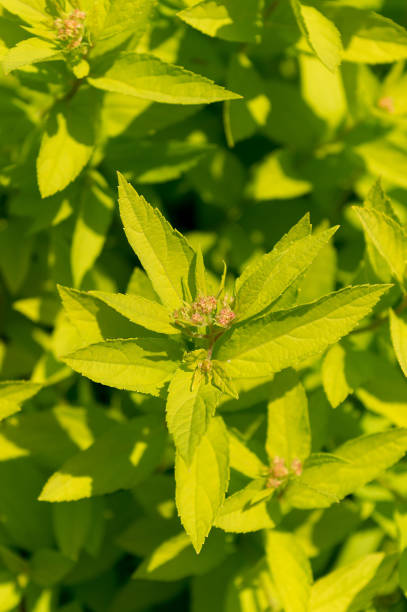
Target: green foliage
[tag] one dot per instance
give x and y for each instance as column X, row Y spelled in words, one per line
column 214, row 417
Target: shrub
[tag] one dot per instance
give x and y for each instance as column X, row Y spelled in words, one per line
column 178, row 432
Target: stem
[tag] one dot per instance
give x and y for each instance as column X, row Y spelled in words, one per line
column 68, row 96
column 212, row 343
column 272, row 7
column 75, row 86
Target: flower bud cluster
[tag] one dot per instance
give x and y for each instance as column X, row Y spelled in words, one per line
column 70, row 30
column 279, row 472
column 205, row 366
column 386, row 103
column 206, row 311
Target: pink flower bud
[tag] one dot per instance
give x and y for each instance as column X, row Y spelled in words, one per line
column 205, row 365
column 78, row 14
column 225, row 317
column 296, row 466
column 207, row 304
column 279, row 468
column 273, row 483
column 75, row 43
column 197, row 318
column 387, row 103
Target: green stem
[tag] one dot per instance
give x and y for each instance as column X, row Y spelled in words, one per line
column 272, row 7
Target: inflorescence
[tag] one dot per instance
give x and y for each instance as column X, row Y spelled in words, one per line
column 279, row 472
column 206, row 312
column 70, row 30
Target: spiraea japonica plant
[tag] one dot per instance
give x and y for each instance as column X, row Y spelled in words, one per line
column 175, row 434
column 200, row 344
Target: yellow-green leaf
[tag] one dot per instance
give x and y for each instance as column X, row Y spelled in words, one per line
column 201, row 484
column 164, row 253
column 290, row 569
column 143, row 364
column 145, row 76
column 119, row 459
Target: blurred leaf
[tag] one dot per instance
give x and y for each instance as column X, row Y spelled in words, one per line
column 175, row 558
column 91, row 225
column 352, row 587
column 321, row 34
column 233, row 20
column 67, row 142
column 122, row 457
column 285, row 183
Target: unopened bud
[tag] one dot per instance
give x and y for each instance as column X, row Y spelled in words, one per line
column 296, row 466
column 273, row 483
column 205, row 366
column 75, row 43
column 225, row 317
column 197, row 318
column 78, row 14
column 387, row 103
column 279, row 468
column 207, row 304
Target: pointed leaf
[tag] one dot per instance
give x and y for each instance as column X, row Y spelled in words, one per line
column 222, row 381
column 250, row 509
column 398, row 330
column 189, row 411
column 143, row 364
column 32, row 11
column 235, row 20
column 365, row 458
column 336, row 385
column 367, row 36
column 111, row 19
column 284, row 339
column 290, row 569
column 352, row 587
column 286, row 183
column 387, row 236
column 67, row 142
column 147, row 77
column 139, row 310
column 201, row 486
column 175, row 558
column 119, row 459
column 164, row 253
column 275, row 272
column 93, row 320
column 198, row 275
column 29, row 51
column 13, row 394
column 321, row 34
column 288, row 429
